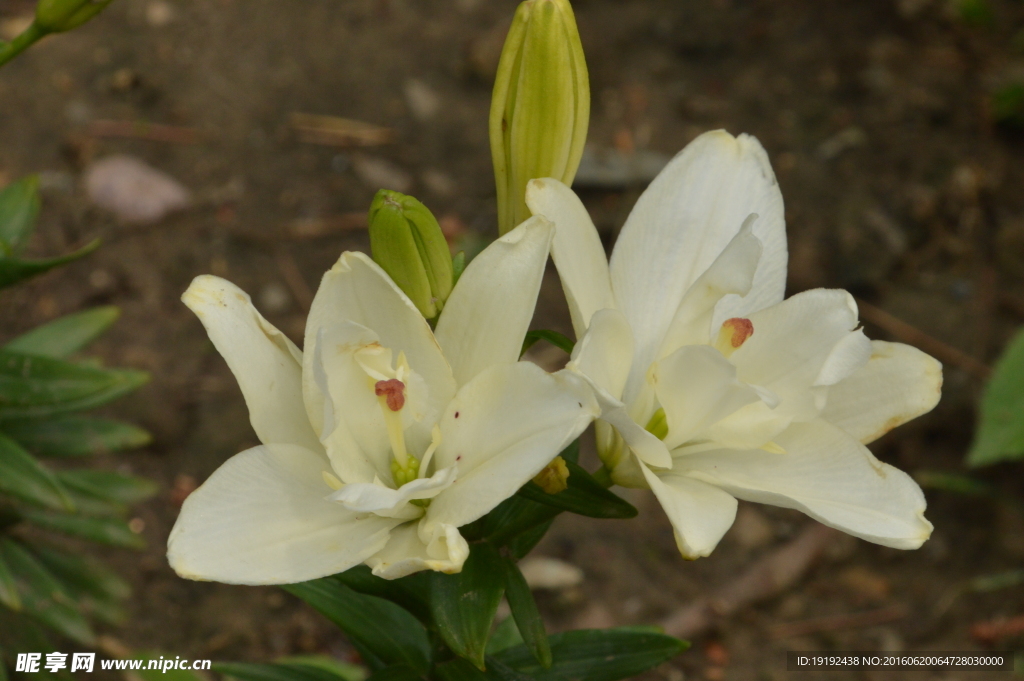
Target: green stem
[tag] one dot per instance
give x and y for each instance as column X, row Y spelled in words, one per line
column 603, row 476
column 30, row 35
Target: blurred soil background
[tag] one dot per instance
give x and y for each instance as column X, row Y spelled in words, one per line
column 890, row 125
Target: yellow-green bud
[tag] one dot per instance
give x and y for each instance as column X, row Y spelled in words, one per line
column 407, row 243
column 540, row 109
column 54, row 16
column 554, row 477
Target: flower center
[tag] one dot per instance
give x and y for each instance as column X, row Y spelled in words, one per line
column 391, row 397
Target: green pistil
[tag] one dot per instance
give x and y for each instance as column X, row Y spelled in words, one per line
column 658, row 425
column 407, row 473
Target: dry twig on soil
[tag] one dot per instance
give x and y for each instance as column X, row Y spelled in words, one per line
column 339, row 132
column 766, row 578
column 908, row 333
column 140, row 130
column 854, row 620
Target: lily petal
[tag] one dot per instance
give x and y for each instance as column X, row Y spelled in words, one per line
column 368, row 497
column 604, row 352
column 356, row 289
column 683, row 222
column 576, row 249
column 267, row 366
column 444, row 551
column 602, row 358
column 489, row 311
column 697, row 388
column 800, row 343
column 732, row 272
column 501, row 429
column 700, row 513
column 262, row 518
column 897, row 384
column 828, row 475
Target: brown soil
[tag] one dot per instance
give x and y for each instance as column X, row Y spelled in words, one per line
column 899, row 185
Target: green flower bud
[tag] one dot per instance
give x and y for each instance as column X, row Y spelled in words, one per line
column 54, row 16
column 540, row 109
column 407, row 243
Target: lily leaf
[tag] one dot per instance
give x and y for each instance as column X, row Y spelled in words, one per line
column 8, row 589
column 408, row 592
column 71, row 436
column 43, row 596
column 505, row 635
column 22, row 477
column 386, row 631
column 112, row 531
column 66, row 335
column 345, row 670
column 277, row 672
column 597, row 654
column 97, row 590
column 524, row 611
column 19, row 208
column 109, row 485
column 13, row 270
column 1000, row 433
column 396, row 672
column 464, row 604
column 34, row 387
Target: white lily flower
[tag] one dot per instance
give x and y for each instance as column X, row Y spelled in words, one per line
column 383, row 437
column 714, row 388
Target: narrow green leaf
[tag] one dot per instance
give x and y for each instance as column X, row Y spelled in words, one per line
column 953, row 482
column 511, row 518
column 12, row 270
column 525, row 612
column 496, row 669
column 382, row 628
column 597, row 654
column 519, row 521
column 1000, row 433
column 396, row 672
column 97, row 590
column 112, row 531
column 19, row 208
column 524, row 542
column 460, row 669
column 464, row 604
column 557, row 339
column 583, row 496
column 72, row 436
column 109, row 485
column 34, row 387
column 67, row 335
column 22, row 477
column 8, row 589
column 505, row 635
column 42, row 595
column 409, row 592
column 1001, row 580
column 275, row 672
column 345, row 670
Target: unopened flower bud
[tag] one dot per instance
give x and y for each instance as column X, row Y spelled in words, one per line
column 54, row 16
column 407, row 243
column 540, row 109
